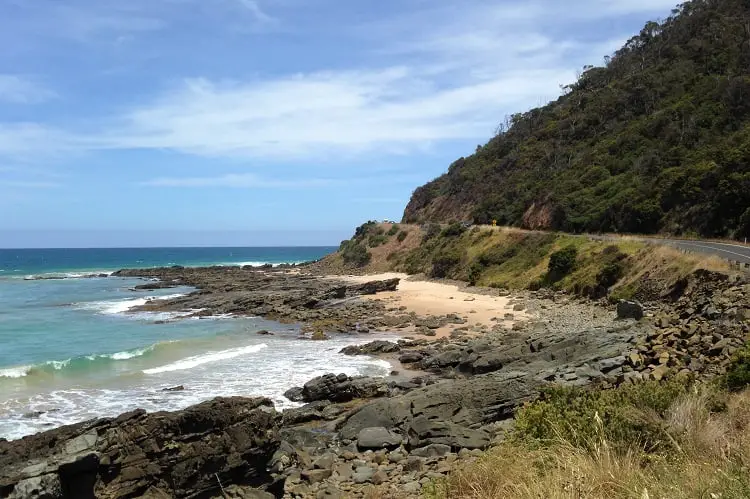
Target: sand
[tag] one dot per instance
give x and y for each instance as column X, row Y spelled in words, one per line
column 434, row 298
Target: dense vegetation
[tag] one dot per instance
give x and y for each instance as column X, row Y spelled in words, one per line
column 519, row 259
column 657, row 140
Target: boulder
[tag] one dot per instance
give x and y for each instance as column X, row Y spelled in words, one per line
column 447, row 412
column 306, row 413
column 294, row 394
column 342, row 388
column 629, row 310
column 134, row 455
column 377, row 438
column 375, row 347
column 373, row 287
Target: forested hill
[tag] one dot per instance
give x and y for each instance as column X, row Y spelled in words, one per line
column 658, row 140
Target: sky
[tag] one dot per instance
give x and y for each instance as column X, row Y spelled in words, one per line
column 269, row 121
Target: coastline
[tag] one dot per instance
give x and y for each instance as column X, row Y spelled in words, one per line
column 454, row 395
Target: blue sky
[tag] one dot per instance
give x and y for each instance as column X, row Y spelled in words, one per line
column 151, row 117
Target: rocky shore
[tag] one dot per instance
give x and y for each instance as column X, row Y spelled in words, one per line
column 354, row 435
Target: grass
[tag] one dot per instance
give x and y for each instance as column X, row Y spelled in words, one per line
column 707, row 457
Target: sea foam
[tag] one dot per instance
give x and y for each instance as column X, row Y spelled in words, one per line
column 206, row 358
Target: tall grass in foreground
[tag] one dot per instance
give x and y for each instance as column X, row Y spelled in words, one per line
column 706, row 454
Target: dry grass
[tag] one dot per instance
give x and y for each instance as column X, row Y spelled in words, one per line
column 664, row 265
column 710, row 459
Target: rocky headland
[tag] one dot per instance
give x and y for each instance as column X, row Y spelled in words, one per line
column 395, row 435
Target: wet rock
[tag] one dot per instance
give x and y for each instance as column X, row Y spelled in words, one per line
column 294, row 394
column 178, row 388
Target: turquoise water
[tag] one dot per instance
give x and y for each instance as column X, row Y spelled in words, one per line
column 71, row 349
column 22, row 262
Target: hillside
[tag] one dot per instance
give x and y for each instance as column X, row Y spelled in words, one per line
column 509, row 258
column 656, row 141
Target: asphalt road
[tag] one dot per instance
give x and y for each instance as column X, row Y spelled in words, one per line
column 734, row 252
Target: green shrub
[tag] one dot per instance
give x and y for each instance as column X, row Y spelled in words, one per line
column 610, row 274
column 376, row 240
column 356, row 254
column 631, row 415
column 562, row 263
column 431, row 231
column 453, row 230
column 401, row 236
column 475, row 273
column 497, row 255
column 394, row 230
column 365, row 230
column 444, row 263
column 738, row 372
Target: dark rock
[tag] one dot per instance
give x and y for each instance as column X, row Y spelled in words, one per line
column 342, row 388
column 488, row 363
column 629, row 310
column 433, row 450
column 608, row 365
column 459, row 405
column 134, row 455
column 179, row 388
column 375, row 347
column 377, row 438
column 294, row 394
column 306, row 413
column 263, row 332
column 410, row 357
column 373, row 287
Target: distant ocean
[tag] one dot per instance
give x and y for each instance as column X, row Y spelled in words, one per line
column 71, row 350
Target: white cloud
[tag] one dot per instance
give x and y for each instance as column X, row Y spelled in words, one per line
column 330, row 113
column 18, row 89
column 254, row 8
column 452, row 72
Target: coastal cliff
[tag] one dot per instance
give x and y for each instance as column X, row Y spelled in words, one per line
column 653, row 141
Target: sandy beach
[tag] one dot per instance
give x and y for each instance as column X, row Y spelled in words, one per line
column 427, row 298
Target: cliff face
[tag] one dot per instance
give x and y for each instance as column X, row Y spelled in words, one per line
column 658, row 140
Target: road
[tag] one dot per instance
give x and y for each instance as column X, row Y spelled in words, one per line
column 734, row 252
column 738, row 253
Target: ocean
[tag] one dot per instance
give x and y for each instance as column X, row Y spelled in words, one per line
column 71, row 349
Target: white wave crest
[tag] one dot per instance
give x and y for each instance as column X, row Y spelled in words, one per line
column 207, row 358
column 15, row 372
column 113, row 307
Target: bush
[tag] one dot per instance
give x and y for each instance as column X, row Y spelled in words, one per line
column 431, row 231
column 394, row 230
column 631, row 415
column 475, row 273
column 497, row 255
column 365, row 229
column 453, row 230
column 401, row 236
column 376, row 240
column 610, row 274
column 356, row 254
column 562, row 263
column 738, row 372
column 444, row 263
